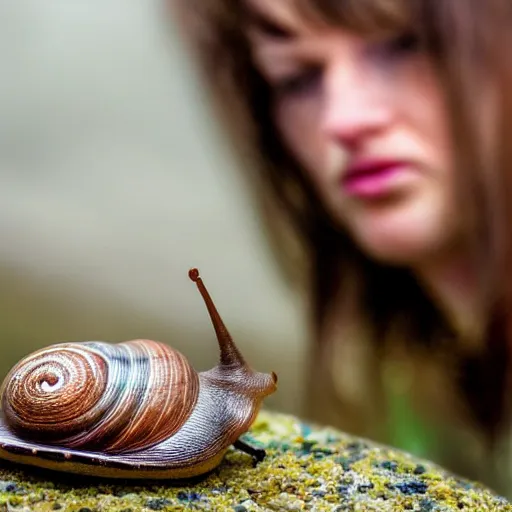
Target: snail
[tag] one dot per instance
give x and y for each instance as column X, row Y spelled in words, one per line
column 135, row 409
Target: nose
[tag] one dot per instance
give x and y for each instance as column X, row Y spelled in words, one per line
column 355, row 106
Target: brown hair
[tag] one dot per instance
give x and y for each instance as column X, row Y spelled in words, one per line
column 469, row 40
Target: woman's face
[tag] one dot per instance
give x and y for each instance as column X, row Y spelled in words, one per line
column 365, row 118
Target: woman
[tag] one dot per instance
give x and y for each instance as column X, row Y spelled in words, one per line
column 380, row 128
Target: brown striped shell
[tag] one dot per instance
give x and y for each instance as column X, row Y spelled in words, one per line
column 100, row 396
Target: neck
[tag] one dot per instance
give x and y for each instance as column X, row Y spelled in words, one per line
column 452, row 283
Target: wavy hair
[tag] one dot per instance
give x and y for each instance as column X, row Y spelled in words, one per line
column 470, row 45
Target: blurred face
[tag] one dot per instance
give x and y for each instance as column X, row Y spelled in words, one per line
column 365, row 118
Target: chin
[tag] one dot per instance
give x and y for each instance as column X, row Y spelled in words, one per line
column 402, row 236
column 397, row 251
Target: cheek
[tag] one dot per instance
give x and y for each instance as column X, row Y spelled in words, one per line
column 299, row 125
column 424, row 118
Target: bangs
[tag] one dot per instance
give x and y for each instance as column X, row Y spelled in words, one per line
column 361, row 16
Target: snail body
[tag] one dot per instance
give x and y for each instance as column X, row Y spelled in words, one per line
column 135, row 409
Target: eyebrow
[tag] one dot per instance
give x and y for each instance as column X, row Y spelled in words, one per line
column 267, row 25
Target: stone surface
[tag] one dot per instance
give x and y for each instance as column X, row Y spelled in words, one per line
column 307, row 468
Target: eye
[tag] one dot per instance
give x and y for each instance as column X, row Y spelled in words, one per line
column 299, row 82
column 408, row 42
column 400, row 46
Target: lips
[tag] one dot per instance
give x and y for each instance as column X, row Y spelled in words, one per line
column 371, row 177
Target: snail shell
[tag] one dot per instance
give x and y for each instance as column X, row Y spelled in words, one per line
column 135, row 409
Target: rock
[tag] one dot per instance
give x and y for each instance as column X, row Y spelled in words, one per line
column 307, row 468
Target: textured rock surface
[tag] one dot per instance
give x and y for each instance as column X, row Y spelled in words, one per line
column 307, row 468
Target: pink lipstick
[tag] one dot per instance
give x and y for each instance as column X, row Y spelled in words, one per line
column 371, row 178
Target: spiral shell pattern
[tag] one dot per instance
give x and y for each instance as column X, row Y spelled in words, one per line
column 100, row 396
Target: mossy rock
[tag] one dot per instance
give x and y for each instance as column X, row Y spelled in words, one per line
column 306, row 468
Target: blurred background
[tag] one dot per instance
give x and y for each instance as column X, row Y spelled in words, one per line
column 115, row 181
